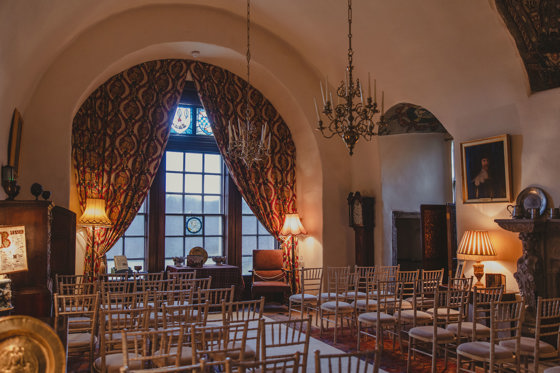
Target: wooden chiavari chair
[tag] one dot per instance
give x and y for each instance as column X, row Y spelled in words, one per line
column 202, row 366
column 150, row 348
column 252, row 312
column 356, row 362
column 215, row 297
column 338, row 308
column 80, row 313
column 282, row 339
column 543, row 342
column 273, row 364
column 505, row 326
column 311, row 282
column 219, row 342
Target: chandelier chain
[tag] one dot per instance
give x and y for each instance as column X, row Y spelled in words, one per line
column 248, row 55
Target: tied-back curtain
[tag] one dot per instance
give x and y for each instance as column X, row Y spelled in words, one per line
column 268, row 188
column 119, row 135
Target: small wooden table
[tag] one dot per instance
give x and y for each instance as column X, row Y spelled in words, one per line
column 223, row 276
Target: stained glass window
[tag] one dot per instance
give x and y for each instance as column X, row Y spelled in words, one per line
column 191, row 120
column 202, row 123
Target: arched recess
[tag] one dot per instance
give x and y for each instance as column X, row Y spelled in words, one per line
column 416, row 155
column 120, row 131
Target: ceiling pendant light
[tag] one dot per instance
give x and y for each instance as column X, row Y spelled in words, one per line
column 249, row 141
column 347, row 119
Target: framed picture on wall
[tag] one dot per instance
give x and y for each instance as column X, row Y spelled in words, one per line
column 486, row 170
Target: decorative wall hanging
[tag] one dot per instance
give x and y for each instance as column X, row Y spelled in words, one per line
column 486, row 170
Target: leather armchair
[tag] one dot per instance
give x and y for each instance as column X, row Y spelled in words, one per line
column 269, row 276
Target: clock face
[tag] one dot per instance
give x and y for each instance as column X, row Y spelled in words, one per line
column 357, row 216
column 194, row 225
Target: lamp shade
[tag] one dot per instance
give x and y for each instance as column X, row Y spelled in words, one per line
column 292, row 226
column 476, row 245
column 95, row 215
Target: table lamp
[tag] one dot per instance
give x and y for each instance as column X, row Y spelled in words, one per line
column 95, row 216
column 293, row 228
column 476, row 245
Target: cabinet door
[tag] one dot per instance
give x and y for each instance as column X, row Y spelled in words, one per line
column 439, row 243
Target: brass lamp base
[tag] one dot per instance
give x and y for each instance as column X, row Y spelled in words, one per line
column 478, row 269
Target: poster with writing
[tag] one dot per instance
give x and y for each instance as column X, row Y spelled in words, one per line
column 13, row 252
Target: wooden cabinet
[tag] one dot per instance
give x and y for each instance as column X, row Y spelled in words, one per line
column 51, row 248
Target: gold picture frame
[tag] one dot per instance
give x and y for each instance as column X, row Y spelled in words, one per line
column 14, row 144
column 486, row 170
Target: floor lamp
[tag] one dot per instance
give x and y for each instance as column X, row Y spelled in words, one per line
column 293, row 228
column 94, row 216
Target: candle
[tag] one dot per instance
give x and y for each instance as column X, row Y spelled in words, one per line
column 369, row 84
column 316, row 109
column 330, row 93
column 322, row 93
column 361, row 95
column 269, row 137
column 374, row 90
column 382, row 102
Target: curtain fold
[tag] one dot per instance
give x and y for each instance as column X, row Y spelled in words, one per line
column 119, row 135
column 269, row 187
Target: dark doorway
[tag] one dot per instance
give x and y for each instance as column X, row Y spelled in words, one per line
column 407, row 243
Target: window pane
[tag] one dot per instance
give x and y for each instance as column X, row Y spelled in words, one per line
column 137, row 262
column 174, row 183
column 262, row 229
column 136, row 228
column 191, row 242
column 245, row 209
column 174, row 161
column 213, row 246
column 193, row 204
column 213, row 225
column 266, row 242
column 182, row 120
column 213, row 163
column 115, row 250
column 142, row 208
column 247, row 264
column 193, row 162
column 212, row 184
column 173, row 225
column 174, row 203
column 173, row 247
column 249, row 225
column 194, row 225
column 248, row 244
column 202, row 123
column 134, row 247
column 212, row 204
column 193, row 183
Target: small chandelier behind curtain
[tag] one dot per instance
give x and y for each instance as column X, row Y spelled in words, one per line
column 345, row 118
column 249, row 141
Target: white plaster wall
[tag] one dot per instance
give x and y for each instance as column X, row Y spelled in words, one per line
column 415, row 171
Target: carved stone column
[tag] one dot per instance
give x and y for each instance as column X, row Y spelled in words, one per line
column 531, row 274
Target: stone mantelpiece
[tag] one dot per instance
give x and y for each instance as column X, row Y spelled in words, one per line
column 538, row 268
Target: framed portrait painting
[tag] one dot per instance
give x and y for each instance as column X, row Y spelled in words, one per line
column 486, row 170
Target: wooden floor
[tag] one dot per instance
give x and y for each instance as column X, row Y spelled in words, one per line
column 391, row 361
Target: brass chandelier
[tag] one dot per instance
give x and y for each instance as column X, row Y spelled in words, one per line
column 347, row 119
column 249, row 141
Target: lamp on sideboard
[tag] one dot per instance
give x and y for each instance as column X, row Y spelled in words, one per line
column 476, row 245
column 293, row 228
column 95, row 216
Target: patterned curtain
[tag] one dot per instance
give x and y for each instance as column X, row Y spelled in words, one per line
column 119, row 135
column 268, row 188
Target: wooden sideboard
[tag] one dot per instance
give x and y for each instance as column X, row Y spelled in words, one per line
column 538, row 269
column 50, row 233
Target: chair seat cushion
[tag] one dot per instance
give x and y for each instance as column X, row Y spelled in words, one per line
column 423, row 302
column 443, row 311
column 482, row 331
column 76, row 340
column 114, row 362
column 406, row 305
column 552, row 370
column 420, row 315
column 306, row 297
column 331, row 306
column 370, row 306
column 327, row 296
column 426, row 333
column 371, row 318
column 481, row 351
column 186, row 357
column 527, row 346
column 355, row 294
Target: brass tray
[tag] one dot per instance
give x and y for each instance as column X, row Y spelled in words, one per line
column 29, row 345
column 197, row 250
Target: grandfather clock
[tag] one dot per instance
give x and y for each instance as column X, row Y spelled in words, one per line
column 362, row 219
